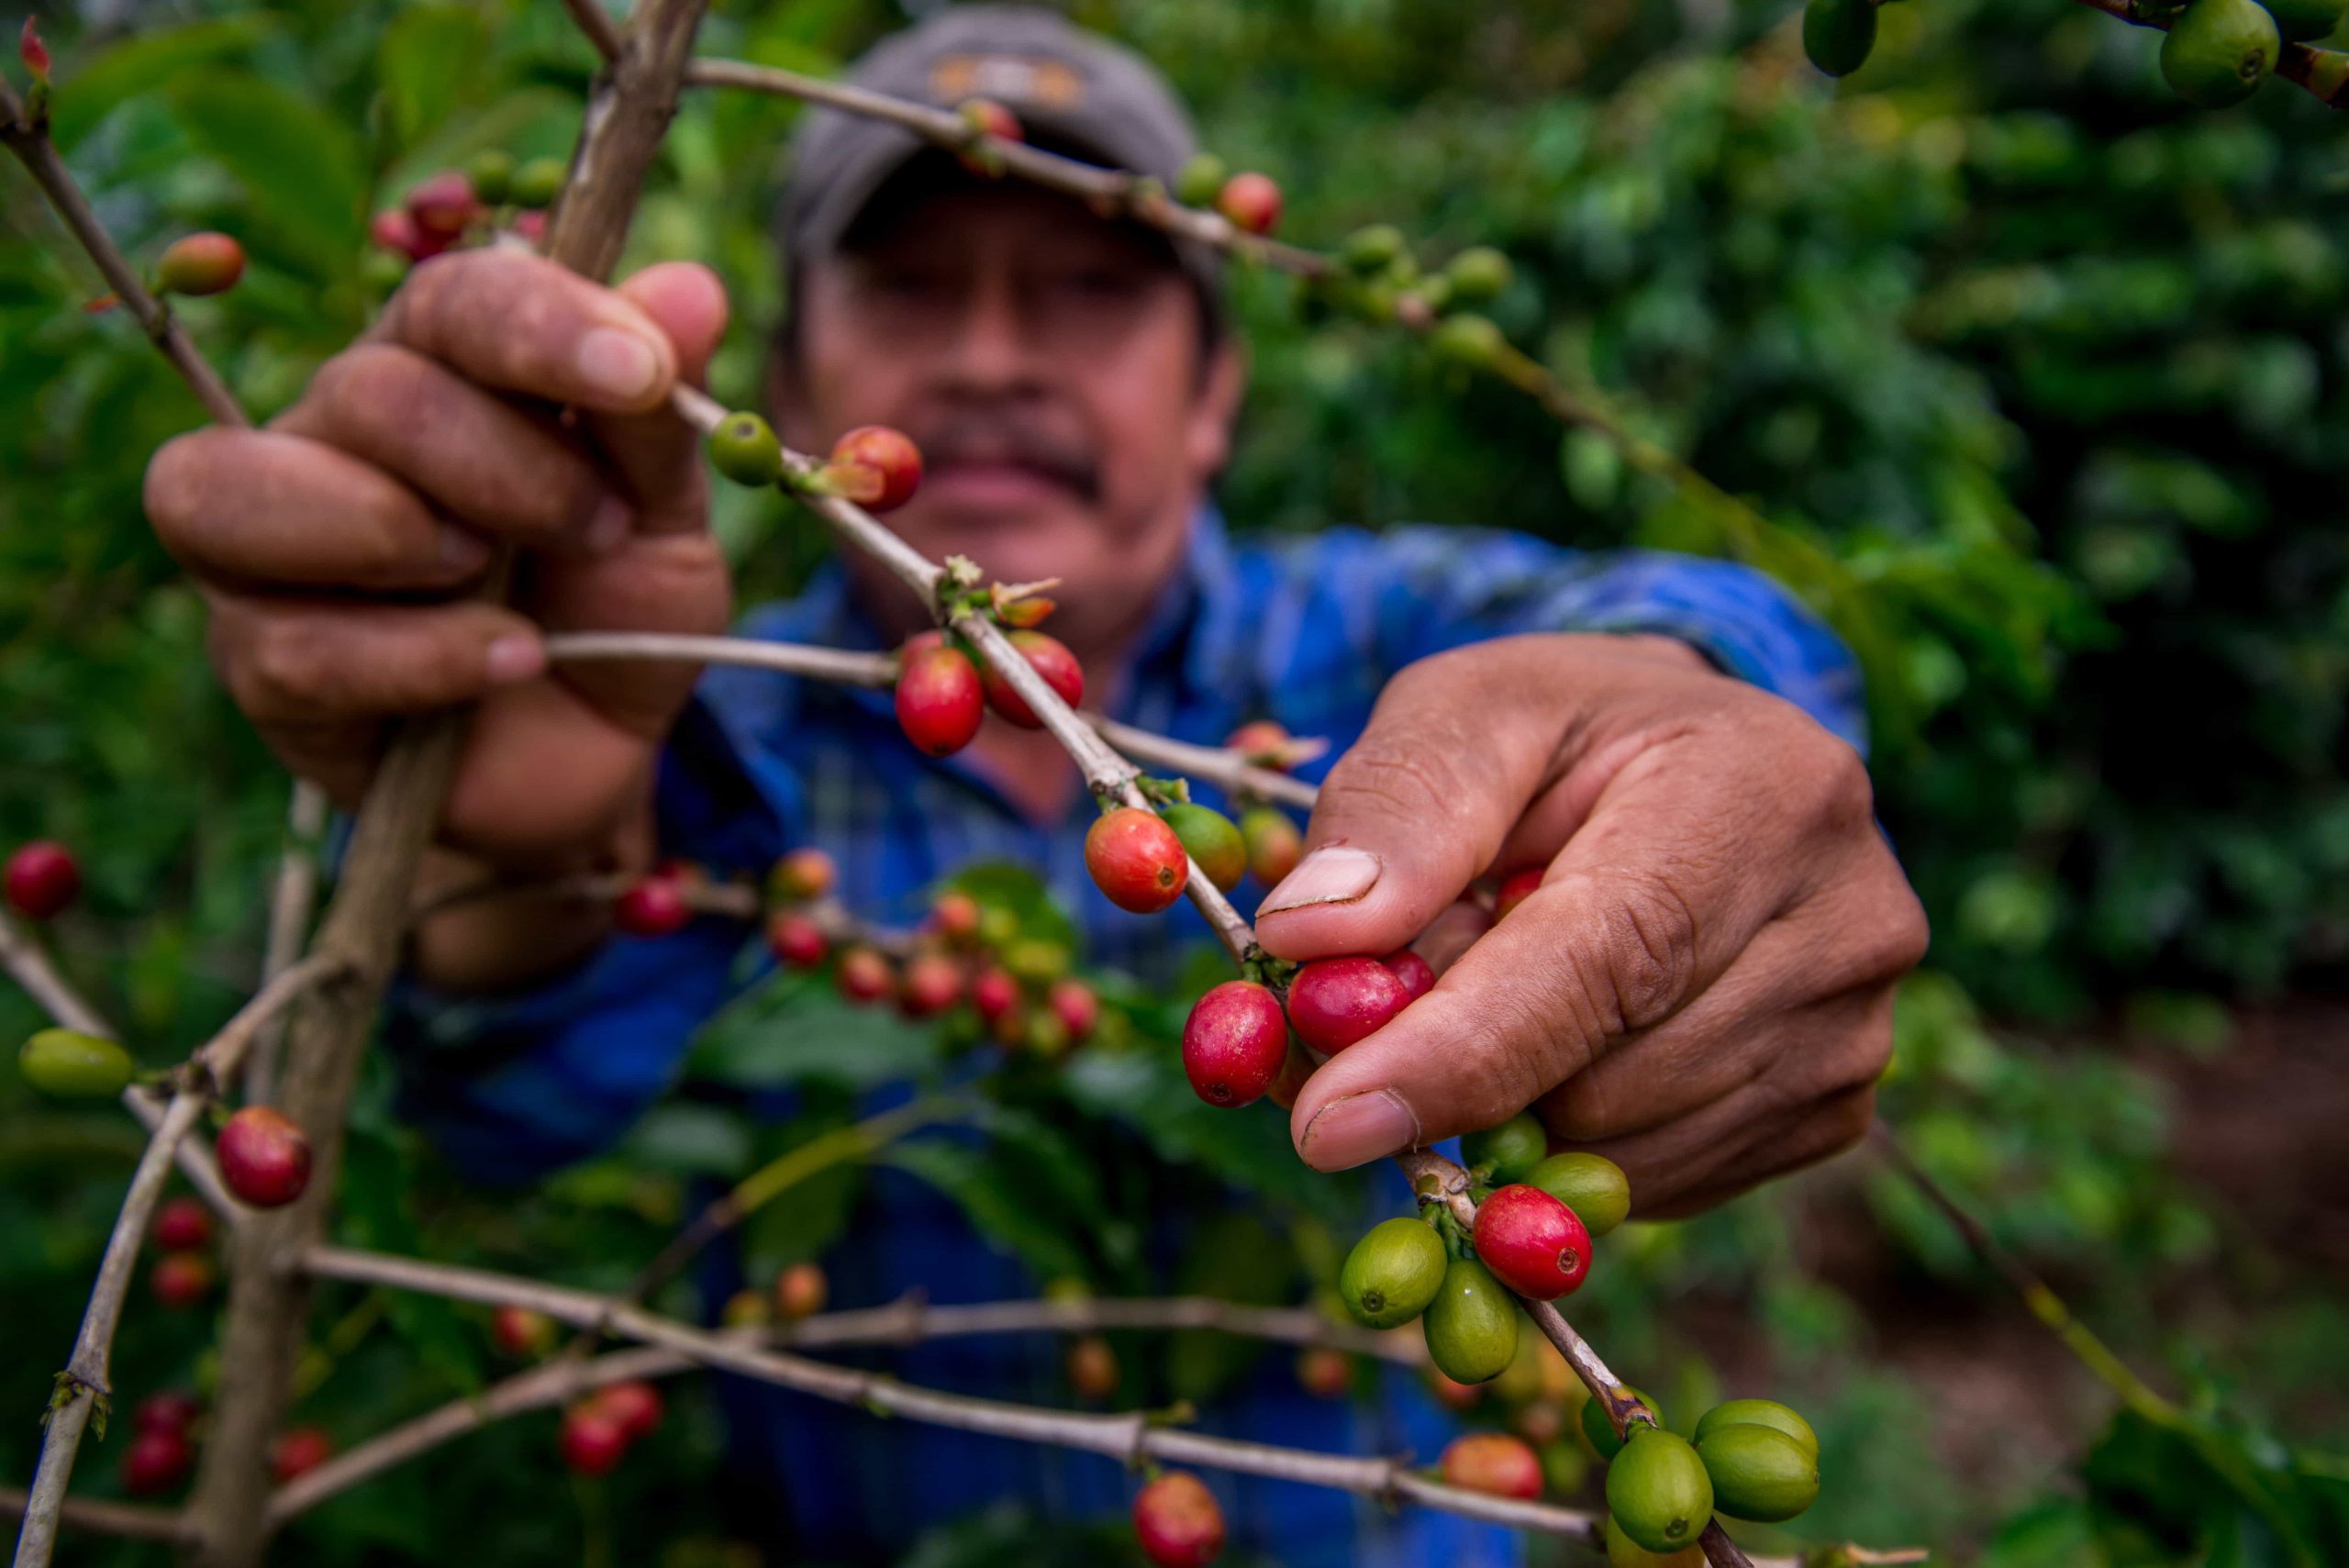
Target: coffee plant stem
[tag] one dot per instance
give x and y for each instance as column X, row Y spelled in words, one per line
column 291, row 896
column 128, row 1520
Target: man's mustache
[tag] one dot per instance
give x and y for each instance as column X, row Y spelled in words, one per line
column 995, row 437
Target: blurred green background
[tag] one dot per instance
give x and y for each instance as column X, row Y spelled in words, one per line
column 2041, row 378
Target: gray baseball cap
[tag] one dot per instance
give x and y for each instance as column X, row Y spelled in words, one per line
column 1072, row 90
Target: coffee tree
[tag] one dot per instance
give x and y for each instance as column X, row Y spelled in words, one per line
column 1498, row 1238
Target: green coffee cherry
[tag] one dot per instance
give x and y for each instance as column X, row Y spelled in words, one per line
column 537, row 182
column 1035, row 960
column 1471, row 1325
column 1373, row 249
column 1759, row 1472
column 2218, row 52
column 1473, row 340
column 2306, row 21
column 1476, row 275
column 1622, row 1551
column 1759, row 1413
column 1505, row 1153
column 1200, row 180
column 1601, row 1432
column 744, row 449
column 1393, row 1272
column 1658, row 1491
column 1212, row 839
column 1838, row 34
column 1591, row 1185
column 492, row 173
column 72, row 1065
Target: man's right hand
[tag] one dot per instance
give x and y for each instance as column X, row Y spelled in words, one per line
column 500, row 400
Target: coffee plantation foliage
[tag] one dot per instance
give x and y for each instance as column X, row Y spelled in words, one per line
column 2035, row 376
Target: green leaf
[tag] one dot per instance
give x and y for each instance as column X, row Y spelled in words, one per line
column 796, row 1030
column 986, row 1190
column 147, row 63
column 428, row 61
column 299, row 165
column 376, row 1181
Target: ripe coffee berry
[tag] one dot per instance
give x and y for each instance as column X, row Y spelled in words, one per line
column 1492, row 1463
column 183, row 1225
column 264, row 1159
column 802, row 875
column 876, row 467
column 1275, row 845
column 1252, row 201
column 1211, row 841
column 743, row 449
column 156, row 1461
column 1178, row 1522
column 1136, row 859
column 1028, row 610
column 932, row 983
column 444, row 203
column 181, row 1279
column 1234, row 1042
column 994, row 994
column 1515, row 889
column 633, row 1406
column 1262, row 742
column 652, row 906
column 864, row 976
column 1049, row 658
column 174, row 1410
column 299, row 1451
column 200, row 263
column 1533, row 1242
column 1075, row 1005
column 593, row 1442
column 73, row 1065
column 938, row 700
column 795, row 939
column 800, row 1291
column 521, row 1333
column 393, row 230
column 1324, row 1373
column 42, row 878
column 1092, row 1367
column 1333, row 1002
column 955, row 917
column 537, row 182
column 1416, row 974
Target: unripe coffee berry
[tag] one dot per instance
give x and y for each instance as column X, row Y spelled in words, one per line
column 181, row 1279
column 1470, row 340
column 743, row 1309
column 1046, row 1036
column 1252, row 201
column 1599, row 1427
column 174, row 1410
column 73, row 1065
column 1333, row 1002
column 634, row 1406
column 1049, row 658
column 298, row 1452
column 1492, row 1463
column 932, row 983
column 1758, row 1473
column 1658, row 1491
column 1393, row 1272
column 1471, row 1326
column 42, row 878
column 156, row 1461
column 1092, row 1367
column 800, row 1291
column 864, row 976
column 537, row 182
column 1211, row 841
column 1533, row 1242
column 1373, row 249
column 1036, row 961
column 1275, row 845
column 1136, row 859
column 492, row 173
column 1178, row 1522
column 1477, row 275
column 1234, row 1042
column 592, row 1443
column 1591, row 1185
column 802, row 875
column 521, row 1333
column 940, row 703
column 794, row 939
column 1326, row 1373
column 743, row 447
column 1075, row 1005
column 652, row 906
column 199, row 264
column 1416, row 973
column 264, row 1159
column 876, row 467
column 183, row 1225
column 1505, row 1153
column 444, row 203
column 1759, row 1413
column 994, row 994
column 1200, row 180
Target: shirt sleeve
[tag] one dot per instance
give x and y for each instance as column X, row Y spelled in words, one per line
column 512, row 1086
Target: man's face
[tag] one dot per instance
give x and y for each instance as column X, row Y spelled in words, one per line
column 1048, row 365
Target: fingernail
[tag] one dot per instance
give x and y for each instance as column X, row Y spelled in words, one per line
column 1332, row 875
column 608, row 529
column 463, row 552
column 620, row 365
column 1358, row 1129
column 514, row 658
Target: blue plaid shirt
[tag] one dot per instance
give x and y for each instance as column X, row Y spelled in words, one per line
column 1304, row 631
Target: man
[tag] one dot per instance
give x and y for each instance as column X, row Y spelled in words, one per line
column 1700, row 989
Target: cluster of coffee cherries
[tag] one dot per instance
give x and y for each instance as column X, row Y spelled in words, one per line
column 1750, row 1459
column 164, row 1427
column 461, row 207
column 183, row 1272
column 1377, row 280
column 598, row 1430
column 798, row 1291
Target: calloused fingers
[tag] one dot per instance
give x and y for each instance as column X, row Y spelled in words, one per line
column 1825, row 1130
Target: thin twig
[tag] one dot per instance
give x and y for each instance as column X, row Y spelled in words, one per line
column 126, row 1519
column 291, row 896
column 597, row 23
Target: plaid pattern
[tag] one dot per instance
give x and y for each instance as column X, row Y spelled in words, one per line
column 1304, row 631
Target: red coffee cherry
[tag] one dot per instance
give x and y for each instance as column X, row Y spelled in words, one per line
column 1533, row 1242
column 800, row 1291
column 939, row 699
column 955, row 917
column 1092, row 1367
column 652, row 906
column 1048, row 658
column 156, row 1461
column 1178, row 1522
column 634, row 1407
column 995, row 994
column 1074, row 1003
column 42, row 878
column 200, row 263
column 932, row 983
column 393, row 229
column 864, row 976
column 1334, row 1002
column 298, row 1452
column 794, row 939
column 521, row 1333
column 1264, row 742
column 1028, row 610
column 183, row 1225
column 1492, row 1463
column 1326, row 1373
column 876, row 467
column 1416, row 974
column 591, row 1441
column 1136, row 859
column 181, row 1279
column 1234, row 1042
column 264, row 1159
column 1515, row 888
column 1275, row 845
column 986, row 118
column 444, row 203
column 172, row 1410
column 1252, row 201
column 803, row 875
